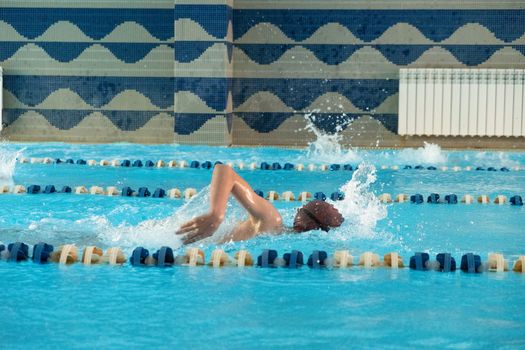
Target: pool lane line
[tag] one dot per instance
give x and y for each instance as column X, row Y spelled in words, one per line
column 286, row 196
column 182, row 164
column 68, row 254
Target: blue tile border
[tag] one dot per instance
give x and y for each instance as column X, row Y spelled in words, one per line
column 401, row 55
column 213, row 18
column 187, row 123
column 327, row 122
column 365, row 94
column 68, row 119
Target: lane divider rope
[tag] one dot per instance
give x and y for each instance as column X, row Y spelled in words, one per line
column 269, row 258
column 287, row 196
column 194, row 164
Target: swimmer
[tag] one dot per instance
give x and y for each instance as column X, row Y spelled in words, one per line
column 263, row 216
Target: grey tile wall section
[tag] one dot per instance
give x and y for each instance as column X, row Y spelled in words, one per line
column 239, row 72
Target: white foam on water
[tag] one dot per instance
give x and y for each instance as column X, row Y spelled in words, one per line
column 326, row 148
column 429, row 154
column 8, row 163
column 495, row 159
column 360, row 208
column 156, row 233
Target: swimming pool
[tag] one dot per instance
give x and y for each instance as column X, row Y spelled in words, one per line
column 49, row 305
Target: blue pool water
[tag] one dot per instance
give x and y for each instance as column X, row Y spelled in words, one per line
column 48, row 306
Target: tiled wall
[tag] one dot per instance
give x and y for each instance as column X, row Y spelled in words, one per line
column 235, row 71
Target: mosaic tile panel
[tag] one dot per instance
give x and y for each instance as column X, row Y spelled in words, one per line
column 67, row 67
column 236, row 72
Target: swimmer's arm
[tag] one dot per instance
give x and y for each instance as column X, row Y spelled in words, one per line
column 225, row 181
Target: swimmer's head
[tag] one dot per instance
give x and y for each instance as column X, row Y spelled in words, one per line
column 317, row 215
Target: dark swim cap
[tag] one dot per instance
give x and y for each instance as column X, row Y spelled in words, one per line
column 317, row 215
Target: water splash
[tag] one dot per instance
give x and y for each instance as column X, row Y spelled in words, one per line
column 429, row 154
column 327, row 147
column 8, row 159
column 156, row 233
column 496, row 159
column 360, row 207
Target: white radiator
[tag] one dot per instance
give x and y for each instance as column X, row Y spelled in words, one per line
column 462, row 102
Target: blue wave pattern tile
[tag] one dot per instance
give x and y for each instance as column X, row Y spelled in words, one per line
column 94, row 90
column 402, row 55
column 130, row 34
column 329, row 123
column 67, row 119
column 213, row 18
column 96, row 23
column 187, row 51
column 213, row 91
column 67, row 52
column 188, row 123
column 298, row 94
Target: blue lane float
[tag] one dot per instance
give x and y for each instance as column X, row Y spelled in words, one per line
column 416, row 198
column 320, row 196
column 294, row 259
column 433, row 198
column 318, row 259
column 127, row 191
column 18, row 251
column 164, row 257
column 471, row 263
column 49, row 189
column 451, row 199
column 446, row 263
column 267, row 258
column 516, row 200
column 264, row 166
column 159, row 193
column 139, row 256
column 143, row 192
column 337, row 196
column 419, row 261
column 33, row 189
column 42, row 252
